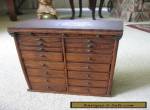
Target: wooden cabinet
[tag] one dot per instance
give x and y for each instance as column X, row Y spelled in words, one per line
column 64, row 56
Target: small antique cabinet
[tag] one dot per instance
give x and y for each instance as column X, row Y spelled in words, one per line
column 66, row 56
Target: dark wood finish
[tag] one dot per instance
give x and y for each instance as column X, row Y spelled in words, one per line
column 66, row 62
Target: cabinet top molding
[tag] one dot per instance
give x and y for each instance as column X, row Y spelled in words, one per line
column 72, row 24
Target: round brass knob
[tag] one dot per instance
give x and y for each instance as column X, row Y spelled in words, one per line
column 89, row 50
column 89, row 45
column 89, row 41
column 44, row 65
column 38, row 39
column 40, row 43
column 89, row 59
column 40, row 49
column 42, row 55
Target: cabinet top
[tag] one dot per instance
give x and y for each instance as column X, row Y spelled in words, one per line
column 78, row 25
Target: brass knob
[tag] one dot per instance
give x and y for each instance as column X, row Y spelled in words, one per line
column 88, row 75
column 40, row 49
column 42, row 55
column 46, row 72
column 89, row 41
column 46, row 80
column 40, row 43
column 89, row 50
column 88, row 83
column 48, row 87
column 89, row 59
column 90, row 45
column 38, row 39
column 44, row 65
column 87, row 67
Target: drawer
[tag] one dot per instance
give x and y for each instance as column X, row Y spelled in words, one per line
column 89, row 67
column 87, row 91
column 41, row 44
column 44, row 64
column 52, row 81
column 39, row 37
column 90, row 50
column 89, row 43
column 88, row 75
column 50, row 56
column 92, row 58
column 87, row 83
column 45, row 73
column 87, row 39
column 39, row 49
column 45, row 88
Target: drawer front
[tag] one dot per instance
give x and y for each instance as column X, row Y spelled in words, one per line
column 89, row 67
column 92, row 58
column 39, row 49
column 49, row 88
column 50, row 56
column 52, row 81
column 87, row 83
column 36, row 38
column 45, row 73
column 87, row 91
column 90, row 43
column 89, row 39
column 88, row 75
column 44, row 64
column 89, row 51
column 41, row 44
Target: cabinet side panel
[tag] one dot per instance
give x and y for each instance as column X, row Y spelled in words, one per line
column 112, row 68
column 21, row 61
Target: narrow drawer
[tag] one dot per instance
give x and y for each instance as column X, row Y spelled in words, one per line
column 87, row 91
column 92, row 58
column 42, row 80
column 45, row 73
column 89, row 39
column 88, row 67
column 40, row 43
column 50, row 56
column 88, row 75
column 44, row 64
column 89, row 51
column 87, row 83
column 90, row 45
column 39, row 49
column 39, row 37
column 49, row 88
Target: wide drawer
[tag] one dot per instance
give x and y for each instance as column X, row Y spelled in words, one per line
column 87, row 83
column 49, row 88
column 50, row 56
column 88, row 75
column 44, row 64
column 52, row 81
column 92, row 58
column 87, row 90
column 40, row 48
column 45, row 73
column 89, row 67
